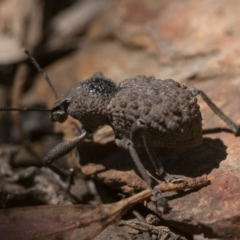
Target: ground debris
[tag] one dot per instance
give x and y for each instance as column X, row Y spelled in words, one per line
column 160, row 232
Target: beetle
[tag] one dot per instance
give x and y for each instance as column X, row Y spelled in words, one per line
column 142, row 111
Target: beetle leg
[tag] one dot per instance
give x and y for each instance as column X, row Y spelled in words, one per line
column 59, row 151
column 140, row 124
column 235, row 128
column 63, row 173
column 128, row 145
column 63, row 148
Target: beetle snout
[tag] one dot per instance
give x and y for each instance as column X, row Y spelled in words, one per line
column 58, row 116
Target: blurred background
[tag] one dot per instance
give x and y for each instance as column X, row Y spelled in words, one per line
column 193, row 42
column 184, row 40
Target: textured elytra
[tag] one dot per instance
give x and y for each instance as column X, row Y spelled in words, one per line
column 170, row 111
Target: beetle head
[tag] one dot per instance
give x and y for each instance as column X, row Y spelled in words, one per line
column 59, row 110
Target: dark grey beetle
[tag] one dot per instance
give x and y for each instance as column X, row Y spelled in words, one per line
column 142, row 111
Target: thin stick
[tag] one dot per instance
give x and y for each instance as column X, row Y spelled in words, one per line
column 18, row 82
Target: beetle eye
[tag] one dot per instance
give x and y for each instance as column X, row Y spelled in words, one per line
column 65, row 104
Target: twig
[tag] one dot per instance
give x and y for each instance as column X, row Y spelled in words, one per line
column 18, row 82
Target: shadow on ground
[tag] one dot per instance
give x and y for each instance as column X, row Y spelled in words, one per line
column 190, row 162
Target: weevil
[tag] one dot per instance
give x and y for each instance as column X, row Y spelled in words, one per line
column 142, row 111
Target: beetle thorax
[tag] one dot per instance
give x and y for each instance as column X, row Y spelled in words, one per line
column 89, row 101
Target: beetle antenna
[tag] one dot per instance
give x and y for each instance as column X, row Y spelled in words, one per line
column 25, row 109
column 44, row 74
